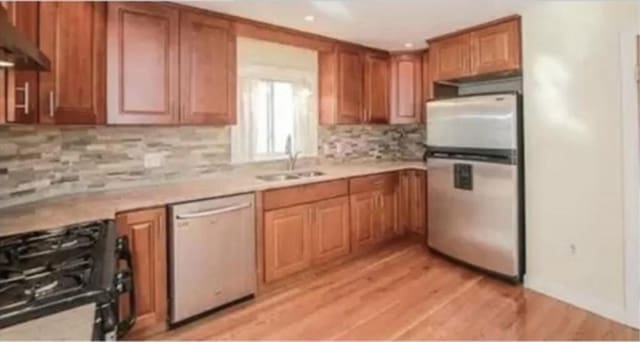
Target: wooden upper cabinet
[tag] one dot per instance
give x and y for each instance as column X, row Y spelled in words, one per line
column 406, row 88
column 3, row 83
column 491, row 48
column 376, row 89
column 451, row 58
column 207, row 70
column 287, row 241
column 496, row 48
column 143, row 63
column 146, row 230
column 330, row 229
column 72, row 35
column 24, row 83
column 427, row 84
column 350, row 81
column 341, row 86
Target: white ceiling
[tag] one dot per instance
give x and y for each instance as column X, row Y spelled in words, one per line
column 385, row 24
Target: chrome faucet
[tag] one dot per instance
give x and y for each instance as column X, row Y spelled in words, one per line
column 293, row 157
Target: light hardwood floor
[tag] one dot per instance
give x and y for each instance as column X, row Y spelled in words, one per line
column 402, row 292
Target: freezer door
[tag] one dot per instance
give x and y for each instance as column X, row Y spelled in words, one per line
column 477, row 122
column 473, row 213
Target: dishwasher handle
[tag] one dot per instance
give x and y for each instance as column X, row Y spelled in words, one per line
column 217, row 211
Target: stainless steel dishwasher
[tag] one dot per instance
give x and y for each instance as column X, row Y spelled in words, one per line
column 212, row 254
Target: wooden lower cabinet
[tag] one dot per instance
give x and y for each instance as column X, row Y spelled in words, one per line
column 147, row 234
column 388, row 227
column 297, row 237
column 287, row 241
column 363, row 219
column 413, row 206
column 374, row 217
column 330, row 229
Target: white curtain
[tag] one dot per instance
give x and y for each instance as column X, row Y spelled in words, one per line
column 305, row 129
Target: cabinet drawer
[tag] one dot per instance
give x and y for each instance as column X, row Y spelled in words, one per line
column 286, row 197
column 384, row 181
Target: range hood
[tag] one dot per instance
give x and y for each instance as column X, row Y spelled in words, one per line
column 16, row 51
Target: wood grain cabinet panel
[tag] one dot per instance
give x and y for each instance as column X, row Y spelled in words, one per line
column 496, row 48
column 207, row 70
column 341, row 79
column 490, row 48
column 376, row 89
column 331, row 229
column 24, row 83
column 350, row 76
column 287, row 238
column 404, row 203
column 364, row 219
column 388, row 209
column 72, row 35
column 147, row 231
column 6, row 95
column 427, row 84
column 143, row 63
column 451, row 58
column 406, row 88
column 418, row 196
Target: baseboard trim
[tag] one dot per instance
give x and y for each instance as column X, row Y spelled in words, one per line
column 586, row 302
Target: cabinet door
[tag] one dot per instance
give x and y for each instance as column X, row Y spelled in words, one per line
column 418, row 202
column 388, row 209
column 287, row 238
column 350, row 81
column 72, row 35
column 404, row 203
column 207, row 70
column 6, row 95
column 496, row 48
column 406, row 88
column 146, row 230
column 330, row 229
column 24, row 84
column 142, row 63
column 376, row 89
column 364, row 219
column 450, row 58
column 427, row 86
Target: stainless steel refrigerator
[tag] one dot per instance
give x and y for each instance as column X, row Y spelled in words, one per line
column 476, row 181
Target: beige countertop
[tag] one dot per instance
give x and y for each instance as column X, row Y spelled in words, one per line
column 70, row 209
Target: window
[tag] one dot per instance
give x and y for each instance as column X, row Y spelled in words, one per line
column 277, row 98
column 273, row 129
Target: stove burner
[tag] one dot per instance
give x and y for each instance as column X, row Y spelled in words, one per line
column 42, row 265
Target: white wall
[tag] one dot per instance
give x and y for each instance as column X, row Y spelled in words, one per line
column 574, row 150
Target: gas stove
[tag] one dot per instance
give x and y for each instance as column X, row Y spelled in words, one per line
column 42, row 273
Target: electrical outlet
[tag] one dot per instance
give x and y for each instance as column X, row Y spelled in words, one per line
column 572, row 249
column 153, row 160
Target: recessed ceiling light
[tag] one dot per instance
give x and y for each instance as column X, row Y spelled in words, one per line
column 309, row 18
column 6, row 64
column 408, row 45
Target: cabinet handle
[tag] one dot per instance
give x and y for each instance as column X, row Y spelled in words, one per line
column 25, row 105
column 51, row 103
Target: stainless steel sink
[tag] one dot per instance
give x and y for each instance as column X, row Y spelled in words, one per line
column 309, row 174
column 290, row 176
column 277, row 177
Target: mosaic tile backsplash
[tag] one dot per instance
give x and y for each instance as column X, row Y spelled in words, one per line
column 371, row 142
column 43, row 161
